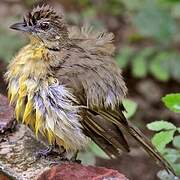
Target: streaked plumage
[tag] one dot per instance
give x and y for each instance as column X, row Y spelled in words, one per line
column 66, row 86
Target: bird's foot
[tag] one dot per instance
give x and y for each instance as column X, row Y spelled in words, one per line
column 78, row 161
column 45, row 152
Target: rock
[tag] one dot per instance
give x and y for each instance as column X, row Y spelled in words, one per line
column 17, row 161
column 3, row 177
column 18, row 152
column 69, row 171
column 6, row 115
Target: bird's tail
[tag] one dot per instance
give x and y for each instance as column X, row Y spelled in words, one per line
column 119, row 119
column 148, row 147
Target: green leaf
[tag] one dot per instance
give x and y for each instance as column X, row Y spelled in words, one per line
column 98, row 151
column 130, row 107
column 176, row 141
column 164, row 175
column 176, row 10
column 174, row 64
column 171, row 150
column 178, row 129
column 123, row 57
column 172, row 101
column 171, row 154
column 161, row 139
column 158, row 66
column 139, row 63
column 161, row 125
column 171, row 157
column 176, row 167
column 139, row 67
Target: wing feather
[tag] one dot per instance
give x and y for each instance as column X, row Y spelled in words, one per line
column 106, row 134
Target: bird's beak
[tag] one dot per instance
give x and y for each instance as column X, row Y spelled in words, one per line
column 21, row 27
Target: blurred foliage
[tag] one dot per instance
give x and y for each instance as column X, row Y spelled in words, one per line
column 172, row 101
column 162, row 65
column 166, row 133
column 130, row 107
column 113, row 7
column 153, row 21
column 9, row 44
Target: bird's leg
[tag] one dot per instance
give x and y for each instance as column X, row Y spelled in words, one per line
column 45, row 152
column 63, row 154
column 60, row 153
column 74, row 158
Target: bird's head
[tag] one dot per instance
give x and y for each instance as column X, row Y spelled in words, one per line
column 44, row 24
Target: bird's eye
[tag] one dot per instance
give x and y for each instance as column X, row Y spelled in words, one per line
column 44, row 26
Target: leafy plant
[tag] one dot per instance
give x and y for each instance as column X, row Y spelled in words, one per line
column 162, row 65
column 167, row 133
column 154, row 21
column 140, row 63
column 172, row 101
column 123, row 57
column 158, row 66
column 130, row 107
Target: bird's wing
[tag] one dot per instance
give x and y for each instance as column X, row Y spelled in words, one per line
column 89, row 39
column 97, row 83
column 99, row 77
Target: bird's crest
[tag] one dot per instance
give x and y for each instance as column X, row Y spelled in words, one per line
column 42, row 12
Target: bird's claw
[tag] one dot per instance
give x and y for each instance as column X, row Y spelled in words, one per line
column 44, row 152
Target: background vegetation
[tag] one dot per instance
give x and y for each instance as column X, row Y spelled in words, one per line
column 148, row 50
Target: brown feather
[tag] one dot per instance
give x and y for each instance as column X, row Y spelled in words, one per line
column 107, row 147
column 87, row 38
column 107, row 130
column 91, row 77
column 42, row 12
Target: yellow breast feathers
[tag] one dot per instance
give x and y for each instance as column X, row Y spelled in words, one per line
column 41, row 102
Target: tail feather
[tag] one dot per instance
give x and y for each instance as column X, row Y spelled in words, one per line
column 108, row 131
column 106, row 134
column 149, row 148
column 119, row 119
column 107, row 147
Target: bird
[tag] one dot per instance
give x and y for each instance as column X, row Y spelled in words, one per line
column 67, row 88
